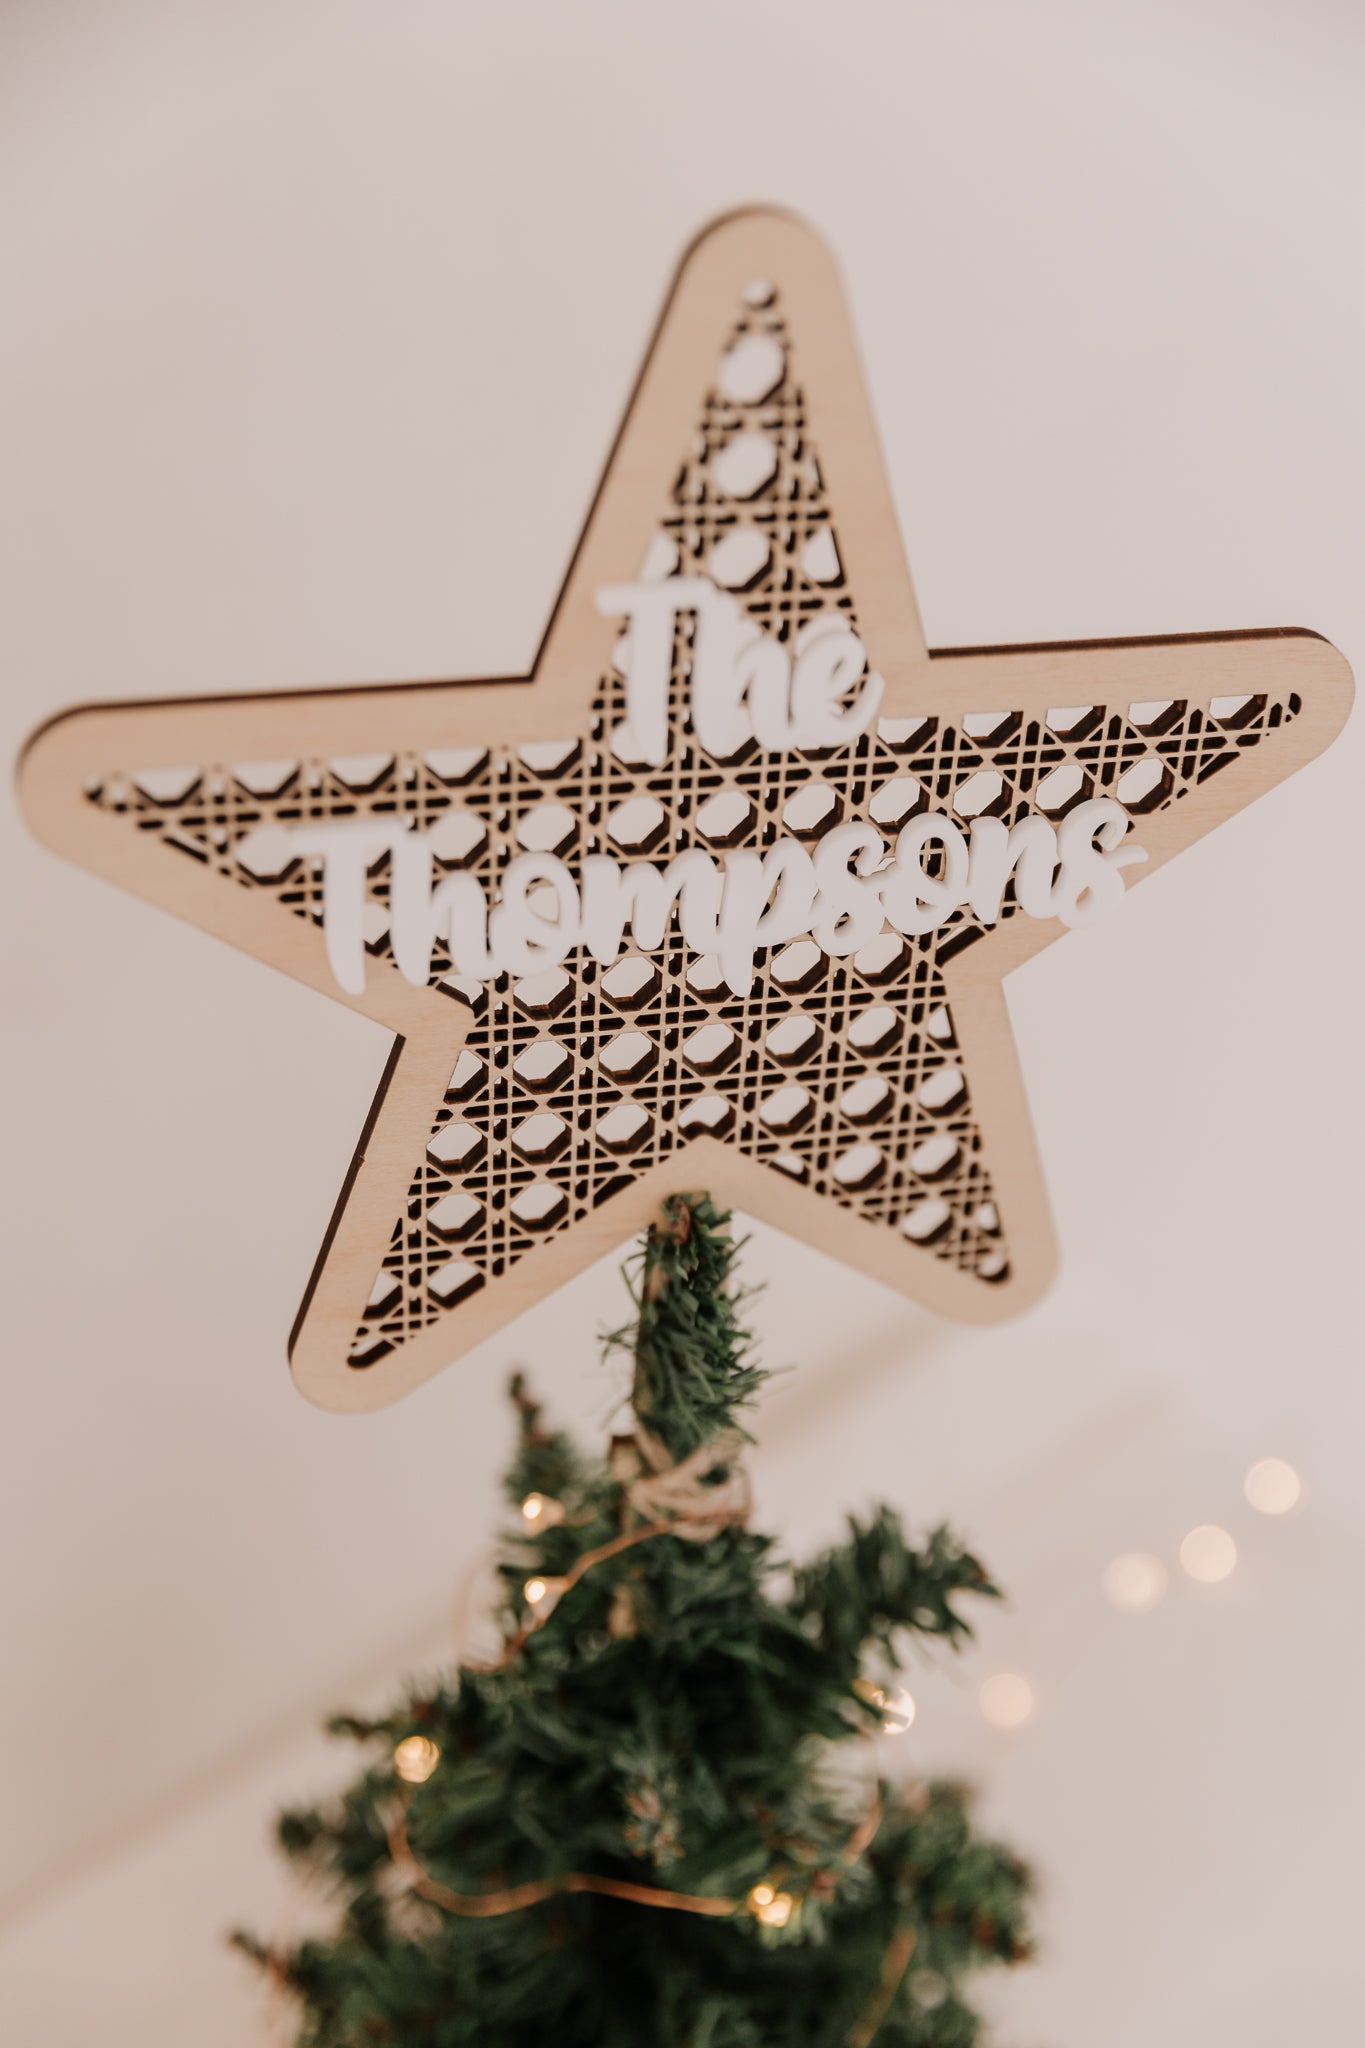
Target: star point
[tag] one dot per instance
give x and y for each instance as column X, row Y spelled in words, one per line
column 867, row 1099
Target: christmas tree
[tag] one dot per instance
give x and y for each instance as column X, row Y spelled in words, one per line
column 649, row 1822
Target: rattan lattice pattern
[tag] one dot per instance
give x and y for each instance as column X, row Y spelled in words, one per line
column 843, row 1074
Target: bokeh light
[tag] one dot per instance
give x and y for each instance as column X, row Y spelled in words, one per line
column 1272, row 1486
column 1007, row 1700
column 1208, row 1554
column 1135, row 1582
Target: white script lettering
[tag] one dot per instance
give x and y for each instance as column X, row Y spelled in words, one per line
column 842, row 897
column 744, row 684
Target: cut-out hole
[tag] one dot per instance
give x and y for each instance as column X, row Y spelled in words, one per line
column 166, row 785
column 927, row 1220
column 360, row 773
column 792, row 1164
column 458, row 837
column 267, row 854
column 465, row 989
column 631, row 981
column 812, row 811
column 625, row 1127
column 455, row 765
column 989, row 727
column 939, row 1024
column 787, row 1108
column 539, row 1205
column 544, row 995
column 549, row 757
column 659, row 560
column 704, row 976
column 1145, row 785
column 1062, row 790
column 711, row 1114
column 751, row 369
column 792, row 1038
column 1235, row 712
column 466, row 1076
column 939, row 1090
column 882, row 958
column 457, row 1146
column 799, row 966
column 873, row 1030
column 992, row 1266
column 547, row 828
column 541, row 1136
column 542, row 1064
column 452, row 1282
column 859, row 1167
column 986, row 1217
column 638, row 825
column 1155, row 715
column 627, row 1056
column 383, row 1294
column 710, row 1048
column 1072, row 721
column 901, row 734
column 744, row 465
column 936, row 1156
column 725, row 819
column 369, row 1352
column 455, row 1216
column 737, row 561
column 896, row 801
column 626, row 747
column 820, row 558
column 865, row 1100
column 983, row 795
column 264, row 778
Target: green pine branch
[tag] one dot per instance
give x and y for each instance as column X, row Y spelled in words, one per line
column 674, row 1724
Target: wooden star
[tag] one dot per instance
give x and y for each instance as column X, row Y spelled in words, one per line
column 871, row 1105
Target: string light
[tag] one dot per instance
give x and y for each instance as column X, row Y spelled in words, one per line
column 540, row 1511
column 1135, row 1582
column 415, row 1758
column 897, row 1708
column 543, row 1595
column 770, row 1908
column 1208, row 1554
column 898, row 1712
column 1006, row 1700
column 1272, row 1486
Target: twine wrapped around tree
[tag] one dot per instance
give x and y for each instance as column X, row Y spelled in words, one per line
column 623, row 1829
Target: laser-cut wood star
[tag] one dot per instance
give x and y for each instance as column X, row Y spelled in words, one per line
column 872, row 1106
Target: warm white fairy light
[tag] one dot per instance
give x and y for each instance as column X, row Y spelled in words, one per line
column 1006, row 1700
column 534, row 1592
column 1135, row 1582
column 897, row 1707
column 1208, row 1554
column 415, row 1758
column 540, row 1511
column 1272, row 1486
column 771, row 1908
column 898, row 1711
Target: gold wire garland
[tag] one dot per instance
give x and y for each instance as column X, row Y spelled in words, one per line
column 694, row 1513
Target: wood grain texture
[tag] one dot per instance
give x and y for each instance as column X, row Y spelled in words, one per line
column 86, row 778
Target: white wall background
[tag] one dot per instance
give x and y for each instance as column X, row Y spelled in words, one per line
column 319, row 316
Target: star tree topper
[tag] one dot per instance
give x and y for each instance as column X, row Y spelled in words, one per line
column 868, row 1101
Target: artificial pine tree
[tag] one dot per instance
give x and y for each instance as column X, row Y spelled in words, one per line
column 645, row 1825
